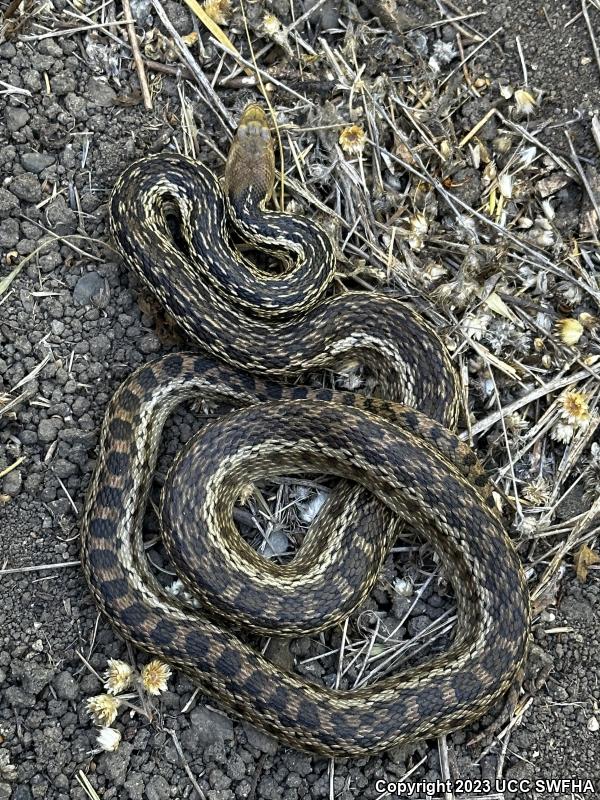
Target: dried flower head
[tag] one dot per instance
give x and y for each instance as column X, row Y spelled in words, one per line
column 155, row 676
column 218, row 10
column 418, row 229
column 538, row 491
column 562, row 432
column 109, row 739
column 525, row 102
column 103, row 709
column 505, row 184
column 574, row 407
column 515, row 423
column 542, row 233
column 569, row 330
column 271, row 25
column 118, row 676
column 353, row 139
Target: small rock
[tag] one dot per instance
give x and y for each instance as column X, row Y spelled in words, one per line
column 16, row 697
column 149, row 344
column 22, row 793
column 36, row 162
column 61, row 219
column 63, row 83
column 5, row 791
column 207, row 726
column 91, row 289
column 276, row 544
column 115, row 765
column 34, row 678
column 66, row 686
column 135, row 785
column 158, row 788
column 8, row 203
column 48, row 430
column 27, row 187
column 100, row 93
column 260, row 740
column 9, row 232
column 11, row 485
column 100, row 346
column 15, row 118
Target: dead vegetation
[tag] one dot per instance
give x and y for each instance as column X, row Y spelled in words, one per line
column 435, row 181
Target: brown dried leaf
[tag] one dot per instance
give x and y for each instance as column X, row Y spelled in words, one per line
column 584, row 559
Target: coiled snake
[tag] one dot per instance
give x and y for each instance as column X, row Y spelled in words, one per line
column 394, row 460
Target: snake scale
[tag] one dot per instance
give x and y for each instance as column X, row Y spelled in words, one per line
column 394, row 453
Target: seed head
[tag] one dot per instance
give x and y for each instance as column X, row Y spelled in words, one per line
column 118, row 676
column 103, row 709
column 155, row 676
column 569, row 330
column 353, row 139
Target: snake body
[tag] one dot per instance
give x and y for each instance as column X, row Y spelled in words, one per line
column 395, row 455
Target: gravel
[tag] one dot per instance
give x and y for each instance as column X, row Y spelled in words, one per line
column 73, row 324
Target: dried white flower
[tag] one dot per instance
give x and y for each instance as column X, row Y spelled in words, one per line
column 562, row 432
column 109, row 739
column 574, row 408
column 527, row 155
column 569, row 330
column 271, row 25
column 505, row 184
column 155, row 676
column 542, row 233
column 525, row 102
column 593, row 725
column 444, row 52
column 118, row 676
column 353, row 139
column 538, row 491
column 418, row 229
column 475, row 327
column 404, row 587
column 103, row 708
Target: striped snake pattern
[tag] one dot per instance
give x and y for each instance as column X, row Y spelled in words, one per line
column 394, row 453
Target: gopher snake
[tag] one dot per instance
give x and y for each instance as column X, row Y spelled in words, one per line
column 393, row 461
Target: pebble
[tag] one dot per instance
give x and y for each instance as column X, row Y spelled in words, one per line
column 36, row 162
column 276, row 544
column 135, row 785
column 63, row 83
column 260, row 740
column 91, row 289
column 61, row 219
column 9, row 232
column 27, row 187
column 48, row 430
column 158, row 788
column 116, row 764
column 8, row 203
column 34, row 677
column 16, row 697
column 22, row 793
column 12, row 483
column 66, row 686
column 15, row 118
column 100, row 93
column 207, row 726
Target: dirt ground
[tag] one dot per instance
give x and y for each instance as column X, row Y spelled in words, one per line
column 73, row 324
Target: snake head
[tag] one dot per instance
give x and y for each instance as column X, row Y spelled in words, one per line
column 250, row 167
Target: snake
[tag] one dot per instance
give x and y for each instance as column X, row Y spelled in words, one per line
column 255, row 330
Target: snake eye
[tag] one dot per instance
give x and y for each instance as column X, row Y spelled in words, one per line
column 265, row 134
